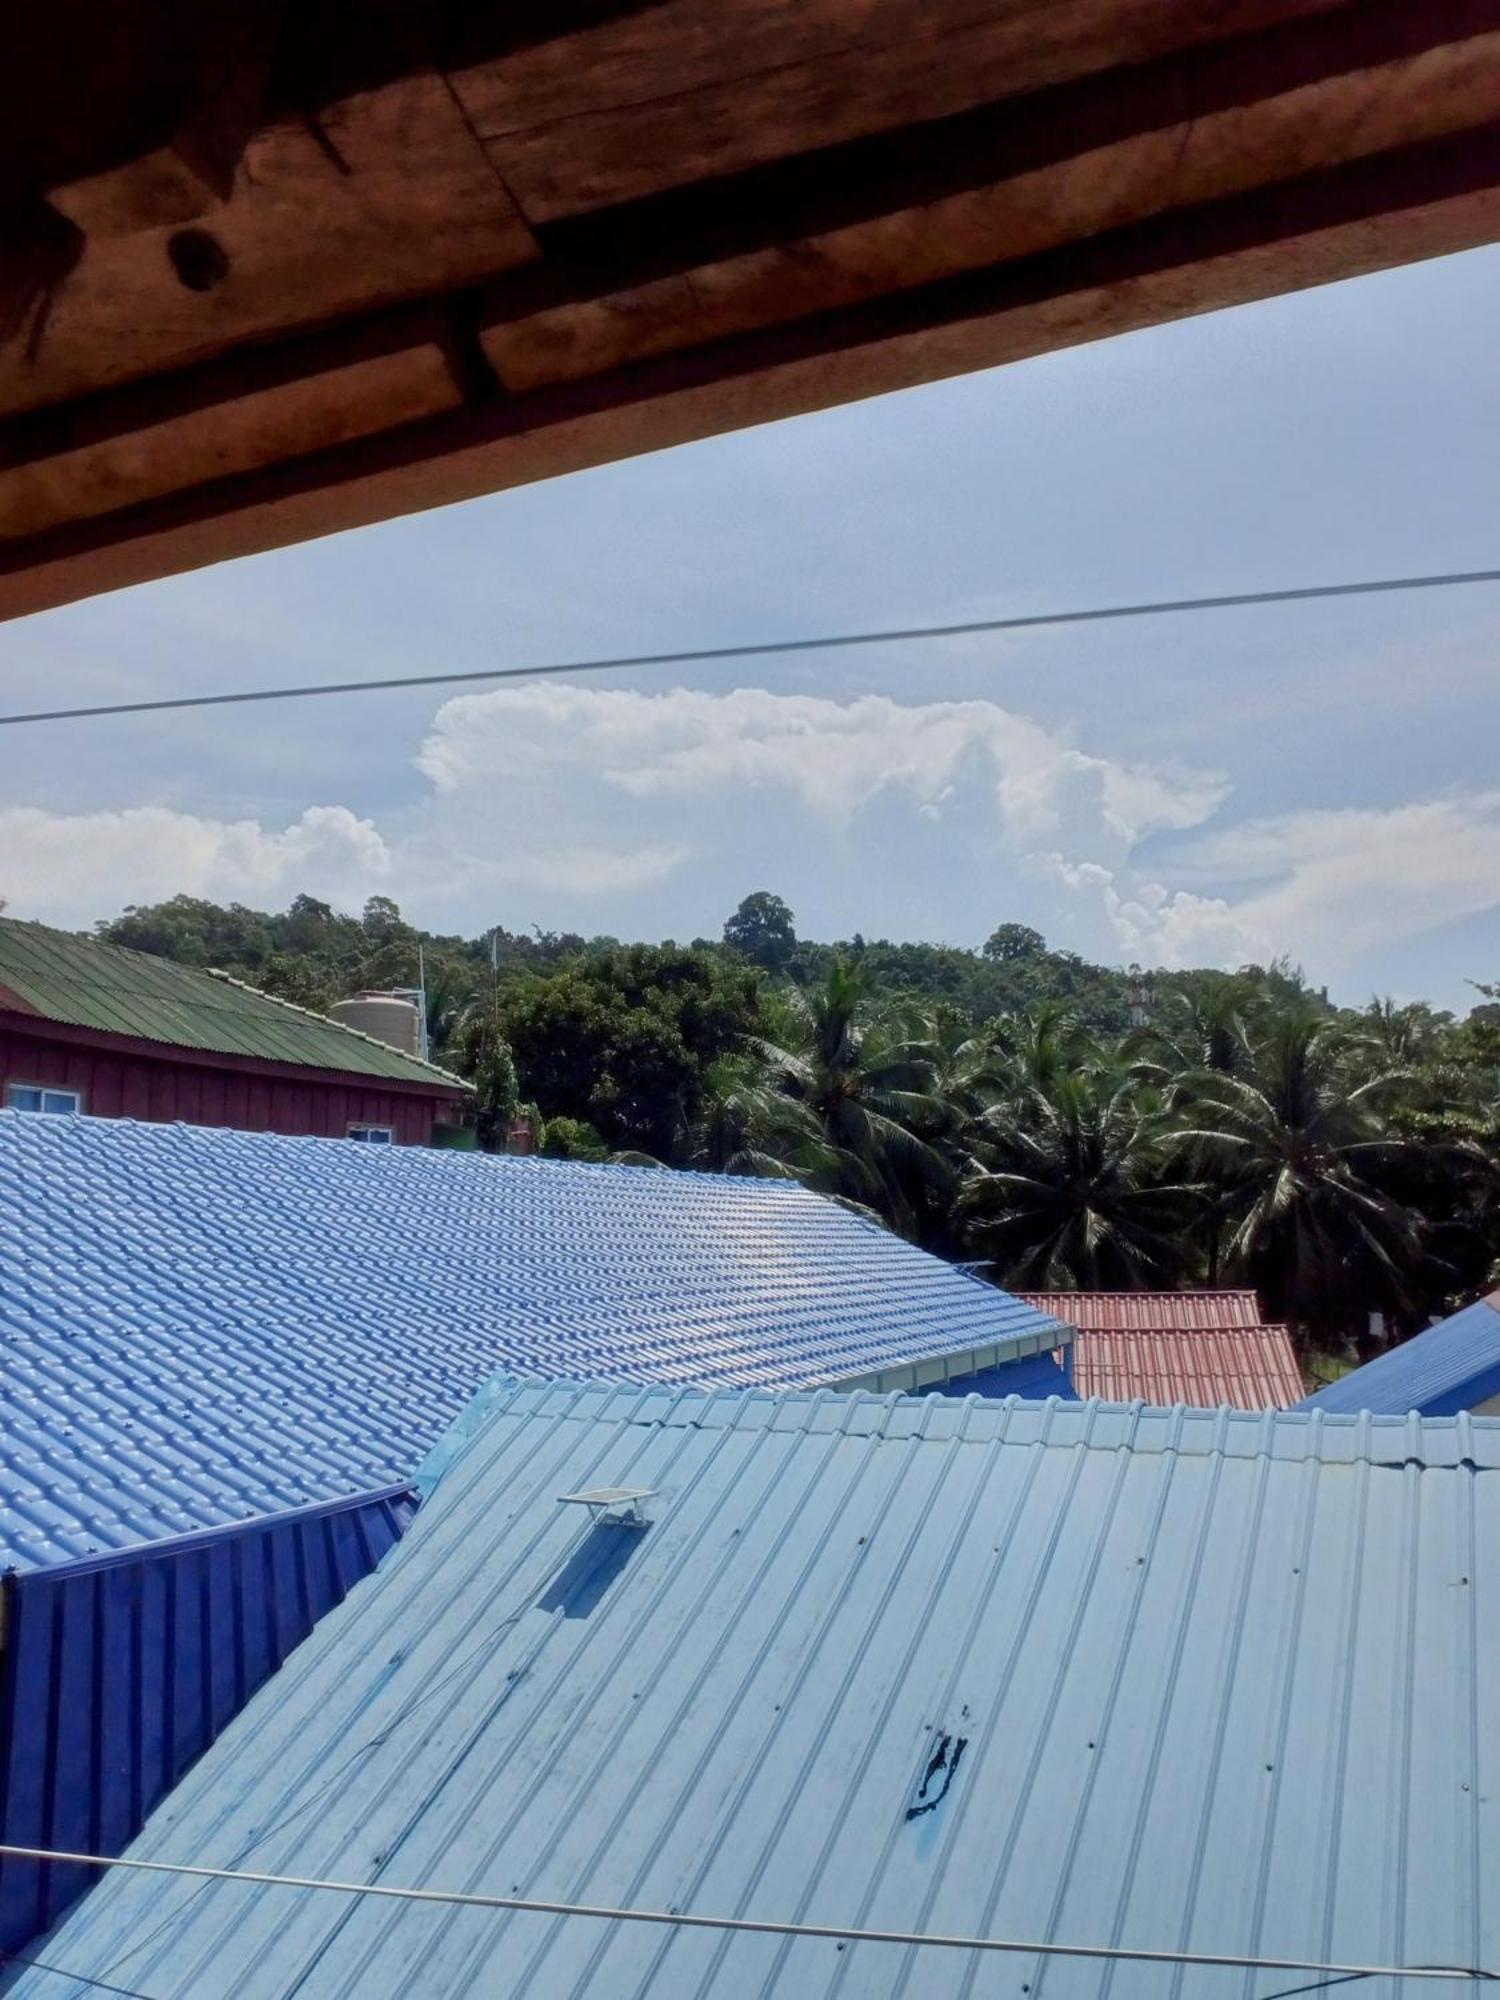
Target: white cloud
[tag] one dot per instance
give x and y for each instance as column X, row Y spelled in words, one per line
column 1322, row 886
column 833, row 757
column 586, row 871
column 73, row 867
column 589, row 796
column 645, row 813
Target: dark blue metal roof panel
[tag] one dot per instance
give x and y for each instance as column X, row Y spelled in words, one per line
column 1452, row 1366
column 1175, row 1680
column 202, row 1326
column 119, row 1670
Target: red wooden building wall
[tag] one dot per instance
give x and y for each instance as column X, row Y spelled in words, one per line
column 123, row 1078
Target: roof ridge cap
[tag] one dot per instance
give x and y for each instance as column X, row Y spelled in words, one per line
column 325, row 1020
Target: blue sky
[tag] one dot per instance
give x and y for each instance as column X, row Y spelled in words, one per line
column 1317, row 780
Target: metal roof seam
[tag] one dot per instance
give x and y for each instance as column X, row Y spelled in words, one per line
column 1341, row 1697
column 831, row 1704
column 1101, row 1728
column 1067, row 1644
column 949, row 1706
column 608, row 1833
column 1467, row 1580
column 1165, row 1475
column 1398, row 1830
column 1276, row 1769
column 1220, row 1598
column 1238, row 1628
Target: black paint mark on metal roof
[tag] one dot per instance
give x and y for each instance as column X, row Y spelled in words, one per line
column 942, row 1769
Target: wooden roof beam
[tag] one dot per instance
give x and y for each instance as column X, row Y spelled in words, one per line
column 681, row 91
column 985, row 188
column 1430, row 199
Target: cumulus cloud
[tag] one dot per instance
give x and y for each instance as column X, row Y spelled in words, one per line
column 585, row 796
column 74, row 867
column 648, row 813
column 1322, row 886
column 832, row 757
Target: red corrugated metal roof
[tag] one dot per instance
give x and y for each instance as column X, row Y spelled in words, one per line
column 1204, row 1349
column 1247, row 1367
column 1150, row 1312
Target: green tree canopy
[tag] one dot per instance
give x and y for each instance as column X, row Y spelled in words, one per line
column 1014, row 941
column 762, row 929
column 624, row 1040
column 1004, row 1103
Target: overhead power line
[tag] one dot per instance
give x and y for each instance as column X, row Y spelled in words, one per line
column 766, row 648
column 759, row 1926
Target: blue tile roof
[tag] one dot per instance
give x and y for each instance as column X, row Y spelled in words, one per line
column 1452, row 1366
column 1174, row 1680
column 200, row 1326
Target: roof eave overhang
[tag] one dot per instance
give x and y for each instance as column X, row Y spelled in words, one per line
column 40, row 1027
column 957, row 1364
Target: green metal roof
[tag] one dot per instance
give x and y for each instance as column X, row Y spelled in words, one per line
column 82, row 983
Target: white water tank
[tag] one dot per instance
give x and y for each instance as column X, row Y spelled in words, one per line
column 385, row 1017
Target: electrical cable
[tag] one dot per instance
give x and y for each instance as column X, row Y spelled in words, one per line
column 701, row 655
column 756, row 1926
column 404, row 1714
column 81, row 1978
column 1314, row 1986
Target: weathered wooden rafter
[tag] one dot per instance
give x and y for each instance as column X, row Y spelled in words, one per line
column 271, row 271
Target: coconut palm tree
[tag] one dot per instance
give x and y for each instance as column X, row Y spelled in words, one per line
column 869, row 1086
column 1208, row 1028
column 1298, row 1151
column 1402, row 1036
column 1073, row 1191
column 747, row 1126
column 1033, row 1052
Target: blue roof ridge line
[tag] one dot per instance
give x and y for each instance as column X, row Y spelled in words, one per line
column 167, row 1546
column 1018, row 1346
column 1226, row 1419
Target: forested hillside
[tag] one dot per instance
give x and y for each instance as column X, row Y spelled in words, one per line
column 1062, row 1123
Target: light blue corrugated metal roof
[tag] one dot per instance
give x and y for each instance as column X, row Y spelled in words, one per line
column 1215, row 1682
column 198, row 1326
column 1452, row 1366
